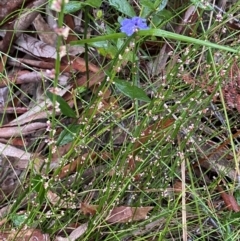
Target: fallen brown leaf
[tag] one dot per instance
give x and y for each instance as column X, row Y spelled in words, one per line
column 15, row 131
column 125, row 214
column 229, row 200
column 54, row 199
column 28, row 234
column 75, row 234
column 45, row 33
column 88, row 209
column 71, row 167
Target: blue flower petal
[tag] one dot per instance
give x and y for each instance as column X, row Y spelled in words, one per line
column 129, row 26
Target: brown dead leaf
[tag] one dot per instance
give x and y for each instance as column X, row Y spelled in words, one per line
column 8, row 7
column 35, row 47
column 75, row 234
column 154, row 132
column 54, row 199
column 72, row 167
column 69, row 21
column 11, row 151
column 177, row 187
column 88, row 209
column 16, row 27
column 18, row 141
column 14, row 131
column 94, row 79
column 13, row 110
column 28, row 234
column 24, row 76
column 3, row 62
column 125, row 214
column 148, row 133
column 78, row 64
column 140, row 213
column 229, row 200
column 45, row 33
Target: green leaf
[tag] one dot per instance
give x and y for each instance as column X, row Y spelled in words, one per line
column 37, row 184
column 68, row 134
column 162, row 5
column 72, row 6
column 123, row 6
column 94, row 3
column 18, row 219
column 148, row 4
column 160, row 17
column 131, row 91
column 63, row 105
column 237, row 196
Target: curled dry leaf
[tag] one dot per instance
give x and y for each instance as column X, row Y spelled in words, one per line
column 13, row 110
column 45, row 33
column 14, row 131
column 7, row 7
column 35, row 47
column 26, row 19
column 125, row 214
column 16, row 27
column 11, row 151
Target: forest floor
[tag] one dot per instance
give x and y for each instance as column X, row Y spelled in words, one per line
column 119, row 120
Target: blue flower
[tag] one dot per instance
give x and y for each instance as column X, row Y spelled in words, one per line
column 130, row 26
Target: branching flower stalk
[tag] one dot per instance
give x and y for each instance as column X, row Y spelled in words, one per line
column 58, row 6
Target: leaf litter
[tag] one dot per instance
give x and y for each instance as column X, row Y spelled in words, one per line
column 28, row 72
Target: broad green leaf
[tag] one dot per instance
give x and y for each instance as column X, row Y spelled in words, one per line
column 68, row 134
column 63, row 105
column 123, row 6
column 162, row 5
column 105, row 48
column 153, row 5
column 131, row 91
column 93, row 3
column 37, row 184
column 160, row 17
column 18, row 219
column 147, row 3
column 72, row 6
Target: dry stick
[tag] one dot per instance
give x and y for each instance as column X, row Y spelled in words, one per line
column 183, row 174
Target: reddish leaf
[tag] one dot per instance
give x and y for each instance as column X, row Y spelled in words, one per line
column 125, row 214
column 88, row 209
column 229, row 200
column 71, row 167
column 70, row 23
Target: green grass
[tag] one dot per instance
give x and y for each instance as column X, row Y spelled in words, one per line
column 141, row 146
